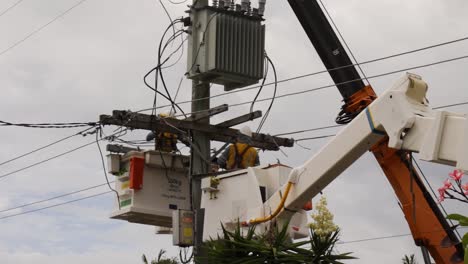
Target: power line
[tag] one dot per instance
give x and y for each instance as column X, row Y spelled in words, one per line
column 370, row 77
column 104, row 168
column 314, row 138
column 46, row 160
column 41, row 27
column 334, row 126
column 55, row 205
column 307, row 130
column 450, row 105
column 432, row 190
column 344, row 41
column 287, row 133
column 60, row 155
column 388, row 237
column 49, row 125
column 10, row 7
column 323, row 71
column 281, row 134
column 53, row 198
column 43, row 147
column 313, row 89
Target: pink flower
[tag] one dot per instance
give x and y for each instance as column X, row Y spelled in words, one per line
column 465, row 187
column 447, row 184
column 442, row 194
column 465, row 192
column 456, row 175
column 442, row 191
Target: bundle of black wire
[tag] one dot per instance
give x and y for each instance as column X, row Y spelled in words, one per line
column 160, row 63
column 267, row 113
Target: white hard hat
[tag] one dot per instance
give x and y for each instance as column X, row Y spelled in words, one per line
column 246, row 131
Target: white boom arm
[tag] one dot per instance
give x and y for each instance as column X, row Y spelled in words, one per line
column 404, row 115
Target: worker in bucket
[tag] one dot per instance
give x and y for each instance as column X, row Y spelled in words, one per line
column 165, row 141
column 241, row 154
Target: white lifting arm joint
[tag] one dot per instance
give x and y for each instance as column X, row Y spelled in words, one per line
column 404, row 113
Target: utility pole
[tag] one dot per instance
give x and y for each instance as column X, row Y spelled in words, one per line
column 199, row 156
column 225, row 47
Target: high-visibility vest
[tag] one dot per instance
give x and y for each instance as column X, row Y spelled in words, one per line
column 166, row 142
column 241, row 156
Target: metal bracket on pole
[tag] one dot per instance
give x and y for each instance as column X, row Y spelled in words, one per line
column 241, row 119
column 209, row 113
column 182, row 127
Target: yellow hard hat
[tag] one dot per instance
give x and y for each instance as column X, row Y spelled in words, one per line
column 164, row 114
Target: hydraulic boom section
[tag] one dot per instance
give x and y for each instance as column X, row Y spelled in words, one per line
column 403, row 114
column 415, row 200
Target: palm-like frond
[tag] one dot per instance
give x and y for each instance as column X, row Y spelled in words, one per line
column 273, row 247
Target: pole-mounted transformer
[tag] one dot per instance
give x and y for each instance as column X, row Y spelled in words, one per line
column 226, row 44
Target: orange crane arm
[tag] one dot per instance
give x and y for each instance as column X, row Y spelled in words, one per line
column 427, row 223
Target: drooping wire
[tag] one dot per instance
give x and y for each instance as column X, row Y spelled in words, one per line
column 104, row 166
column 177, row 3
column 184, row 259
column 202, row 42
column 267, row 113
column 265, row 75
column 158, row 68
column 168, row 15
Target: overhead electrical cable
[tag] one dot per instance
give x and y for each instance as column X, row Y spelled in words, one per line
column 168, row 15
column 158, row 69
column 10, row 7
column 177, row 3
column 44, row 147
column 104, row 167
column 423, row 175
column 54, row 198
column 369, row 77
column 281, row 134
column 332, row 135
column 41, row 27
column 55, row 205
column 265, row 75
column 387, row 237
column 307, row 130
column 46, row 160
column 317, row 88
column 314, row 138
column 344, row 41
column 50, row 125
column 57, row 156
column 267, row 113
column 313, row 89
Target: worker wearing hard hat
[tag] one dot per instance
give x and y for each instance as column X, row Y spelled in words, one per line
column 240, row 155
column 165, row 141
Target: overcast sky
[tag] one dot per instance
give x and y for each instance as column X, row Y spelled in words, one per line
column 92, row 60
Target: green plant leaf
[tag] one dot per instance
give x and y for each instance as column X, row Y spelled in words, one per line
column 463, row 220
column 465, row 243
